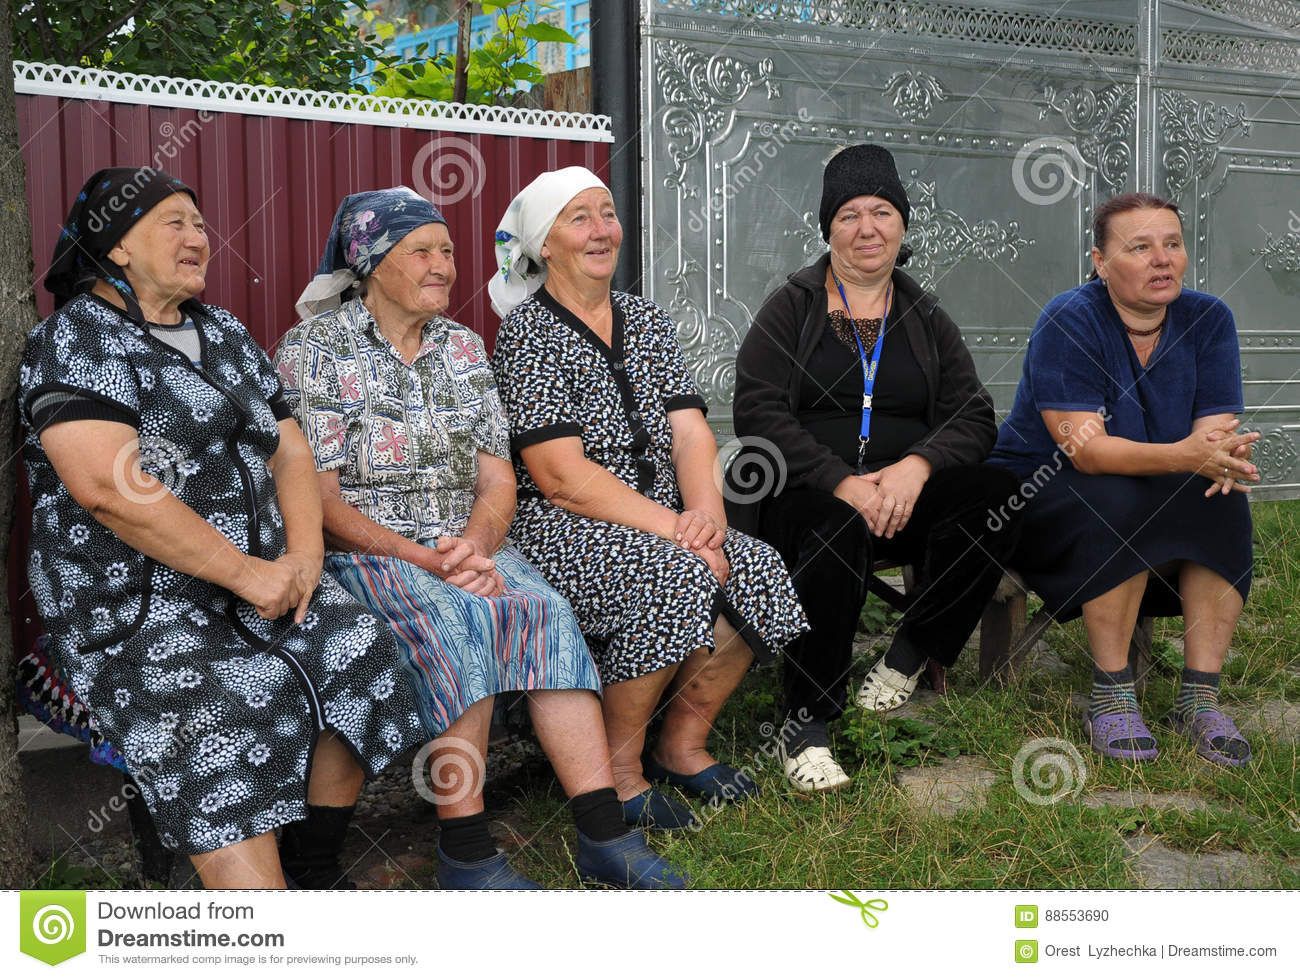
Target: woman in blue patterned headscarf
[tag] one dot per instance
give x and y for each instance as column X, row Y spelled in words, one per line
column 411, row 444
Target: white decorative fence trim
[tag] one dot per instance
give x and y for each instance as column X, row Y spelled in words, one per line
column 34, row 78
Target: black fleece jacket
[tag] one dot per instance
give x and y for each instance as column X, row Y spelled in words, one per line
column 770, row 368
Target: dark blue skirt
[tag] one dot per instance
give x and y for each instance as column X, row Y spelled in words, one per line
column 1084, row 535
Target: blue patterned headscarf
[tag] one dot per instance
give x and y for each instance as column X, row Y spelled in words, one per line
column 365, row 229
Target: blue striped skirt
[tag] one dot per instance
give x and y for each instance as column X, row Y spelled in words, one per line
column 459, row 648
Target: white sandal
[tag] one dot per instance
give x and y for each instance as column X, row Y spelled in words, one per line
column 814, row 770
column 885, row 688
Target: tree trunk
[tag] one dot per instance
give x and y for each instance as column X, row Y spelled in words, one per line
column 17, row 315
column 464, row 19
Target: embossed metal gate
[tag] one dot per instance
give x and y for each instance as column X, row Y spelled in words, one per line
column 1010, row 121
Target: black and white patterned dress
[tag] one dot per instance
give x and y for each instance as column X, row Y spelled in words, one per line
column 215, row 709
column 643, row 602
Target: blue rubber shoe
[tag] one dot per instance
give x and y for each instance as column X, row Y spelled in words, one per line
column 627, row 862
column 655, row 810
column 715, row 785
column 492, row 874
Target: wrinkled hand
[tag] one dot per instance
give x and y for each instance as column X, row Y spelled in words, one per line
column 1245, row 451
column 307, row 568
column 1213, row 453
column 272, row 587
column 863, row 495
column 698, row 528
column 899, row 486
column 716, row 560
column 460, row 561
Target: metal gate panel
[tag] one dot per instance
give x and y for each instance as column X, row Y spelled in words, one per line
column 1010, row 122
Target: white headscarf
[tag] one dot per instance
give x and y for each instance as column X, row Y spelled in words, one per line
column 525, row 225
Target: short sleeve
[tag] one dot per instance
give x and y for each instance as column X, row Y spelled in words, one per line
column 1063, row 363
column 1218, row 364
column 677, row 386
column 533, row 379
column 309, row 373
column 76, row 367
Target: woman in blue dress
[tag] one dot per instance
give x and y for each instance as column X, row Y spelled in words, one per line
column 1125, row 432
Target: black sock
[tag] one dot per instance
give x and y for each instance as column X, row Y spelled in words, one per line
column 800, row 735
column 598, row 815
column 466, row 839
column 904, row 657
column 310, row 850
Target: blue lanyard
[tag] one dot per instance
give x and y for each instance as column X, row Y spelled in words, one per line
column 869, row 367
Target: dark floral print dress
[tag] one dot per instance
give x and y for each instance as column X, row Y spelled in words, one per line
column 215, row 710
column 643, row 602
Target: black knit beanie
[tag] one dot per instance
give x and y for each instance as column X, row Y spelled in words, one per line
column 865, row 170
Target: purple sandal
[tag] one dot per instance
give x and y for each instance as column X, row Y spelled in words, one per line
column 1108, row 733
column 1206, row 727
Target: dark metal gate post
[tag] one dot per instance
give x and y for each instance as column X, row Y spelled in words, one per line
column 615, row 82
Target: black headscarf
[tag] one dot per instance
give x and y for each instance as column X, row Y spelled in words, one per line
column 109, row 205
column 863, row 170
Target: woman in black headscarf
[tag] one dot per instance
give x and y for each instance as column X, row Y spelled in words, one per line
column 176, row 552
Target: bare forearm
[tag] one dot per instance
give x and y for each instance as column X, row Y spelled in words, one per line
column 300, row 505
column 696, row 463
column 593, row 491
column 349, row 530
column 1124, row 457
column 489, row 520
column 172, row 534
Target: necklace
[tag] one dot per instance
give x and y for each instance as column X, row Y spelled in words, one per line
column 1145, row 333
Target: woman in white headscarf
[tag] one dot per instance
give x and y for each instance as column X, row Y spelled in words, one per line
column 619, row 501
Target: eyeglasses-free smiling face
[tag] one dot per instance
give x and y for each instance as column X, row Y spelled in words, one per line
column 584, row 240
column 866, row 234
column 419, row 271
column 166, row 252
column 1142, row 260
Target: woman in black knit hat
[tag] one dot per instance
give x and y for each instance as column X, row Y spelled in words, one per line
column 861, row 383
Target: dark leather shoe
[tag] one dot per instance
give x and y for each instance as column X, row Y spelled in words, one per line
column 628, row 862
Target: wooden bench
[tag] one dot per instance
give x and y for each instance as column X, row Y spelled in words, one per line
column 1007, row 632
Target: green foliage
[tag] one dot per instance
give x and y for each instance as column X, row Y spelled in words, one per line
column 495, row 70
column 64, row 875
column 877, row 617
column 318, row 44
column 900, row 742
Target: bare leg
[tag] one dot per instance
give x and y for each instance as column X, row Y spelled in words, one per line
column 459, row 762
column 702, row 685
column 335, row 775
column 1211, row 607
column 572, row 733
column 1110, row 618
column 627, row 707
column 252, row 863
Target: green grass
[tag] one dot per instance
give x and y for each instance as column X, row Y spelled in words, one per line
column 867, row 836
